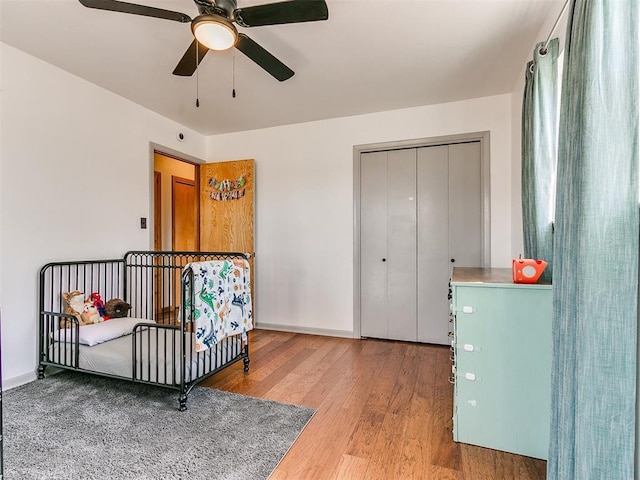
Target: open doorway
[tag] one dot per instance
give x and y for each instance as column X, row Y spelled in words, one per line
column 176, row 226
column 176, row 206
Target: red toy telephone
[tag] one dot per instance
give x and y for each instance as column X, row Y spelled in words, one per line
column 526, row 270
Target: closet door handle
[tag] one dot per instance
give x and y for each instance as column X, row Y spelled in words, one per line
column 384, row 259
column 453, row 260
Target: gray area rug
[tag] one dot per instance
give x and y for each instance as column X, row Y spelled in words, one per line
column 78, row 426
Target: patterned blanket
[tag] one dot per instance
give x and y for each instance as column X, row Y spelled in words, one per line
column 221, row 299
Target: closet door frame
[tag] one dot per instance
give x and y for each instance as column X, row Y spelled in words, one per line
column 482, row 137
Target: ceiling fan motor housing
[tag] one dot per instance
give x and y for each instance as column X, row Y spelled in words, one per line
column 228, row 6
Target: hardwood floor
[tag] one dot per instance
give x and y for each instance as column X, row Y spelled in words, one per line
column 383, row 410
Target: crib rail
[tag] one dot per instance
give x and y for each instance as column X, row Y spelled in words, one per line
column 153, row 281
column 103, row 276
column 164, row 355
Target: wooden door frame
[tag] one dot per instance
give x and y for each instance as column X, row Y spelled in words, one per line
column 157, row 211
column 482, row 137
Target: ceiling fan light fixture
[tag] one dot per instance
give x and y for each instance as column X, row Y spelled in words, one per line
column 214, row 32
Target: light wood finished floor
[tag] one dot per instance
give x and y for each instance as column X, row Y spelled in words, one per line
column 383, row 410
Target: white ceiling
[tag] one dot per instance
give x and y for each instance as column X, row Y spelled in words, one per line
column 370, row 56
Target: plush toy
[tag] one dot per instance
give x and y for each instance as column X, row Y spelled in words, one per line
column 117, row 308
column 79, row 307
column 90, row 313
column 74, row 302
column 97, row 302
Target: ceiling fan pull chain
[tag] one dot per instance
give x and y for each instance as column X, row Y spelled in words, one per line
column 233, row 78
column 197, row 79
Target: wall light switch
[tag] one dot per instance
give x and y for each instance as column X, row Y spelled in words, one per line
column 143, row 222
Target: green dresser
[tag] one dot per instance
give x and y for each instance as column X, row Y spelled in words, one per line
column 501, row 347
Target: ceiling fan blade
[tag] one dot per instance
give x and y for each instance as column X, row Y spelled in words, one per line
column 263, row 58
column 124, row 7
column 291, row 11
column 187, row 64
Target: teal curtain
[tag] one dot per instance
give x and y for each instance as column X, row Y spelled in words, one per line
column 595, row 299
column 539, row 153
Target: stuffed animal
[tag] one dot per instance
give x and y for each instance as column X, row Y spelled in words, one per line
column 79, row 307
column 96, row 299
column 116, row 308
column 90, row 313
column 74, row 302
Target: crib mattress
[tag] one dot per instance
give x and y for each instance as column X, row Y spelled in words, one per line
column 158, row 358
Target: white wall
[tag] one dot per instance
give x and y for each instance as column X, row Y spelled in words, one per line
column 76, row 178
column 304, row 202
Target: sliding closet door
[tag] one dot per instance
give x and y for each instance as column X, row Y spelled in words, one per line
column 465, row 205
column 373, row 245
column 401, row 238
column 433, row 243
column 449, row 228
column 388, row 245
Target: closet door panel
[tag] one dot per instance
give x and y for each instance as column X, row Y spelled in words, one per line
column 373, row 245
column 401, row 235
column 465, row 204
column 433, row 244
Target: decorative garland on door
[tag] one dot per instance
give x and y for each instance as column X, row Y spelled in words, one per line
column 227, row 189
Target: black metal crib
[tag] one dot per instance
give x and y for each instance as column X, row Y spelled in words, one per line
column 154, row 285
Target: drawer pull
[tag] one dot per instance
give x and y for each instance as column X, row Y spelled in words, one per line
column 468, row 347
column 467, row 309
column 470, row 376
column 473, row 403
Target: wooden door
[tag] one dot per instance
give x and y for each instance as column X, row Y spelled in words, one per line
column 157, row 211
column 227, row 208
column 184, row 222
column 157, row 242
column 184, row 226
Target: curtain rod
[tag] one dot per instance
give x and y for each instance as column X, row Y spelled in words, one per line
column 543, row 50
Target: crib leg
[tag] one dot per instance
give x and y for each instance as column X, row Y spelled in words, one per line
column 245, row 360
column 41, row 369
column 183, row 402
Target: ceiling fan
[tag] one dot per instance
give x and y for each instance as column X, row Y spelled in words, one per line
column 214, row 27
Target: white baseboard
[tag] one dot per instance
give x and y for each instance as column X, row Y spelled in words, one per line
column 310, row 330
column 9, row 383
